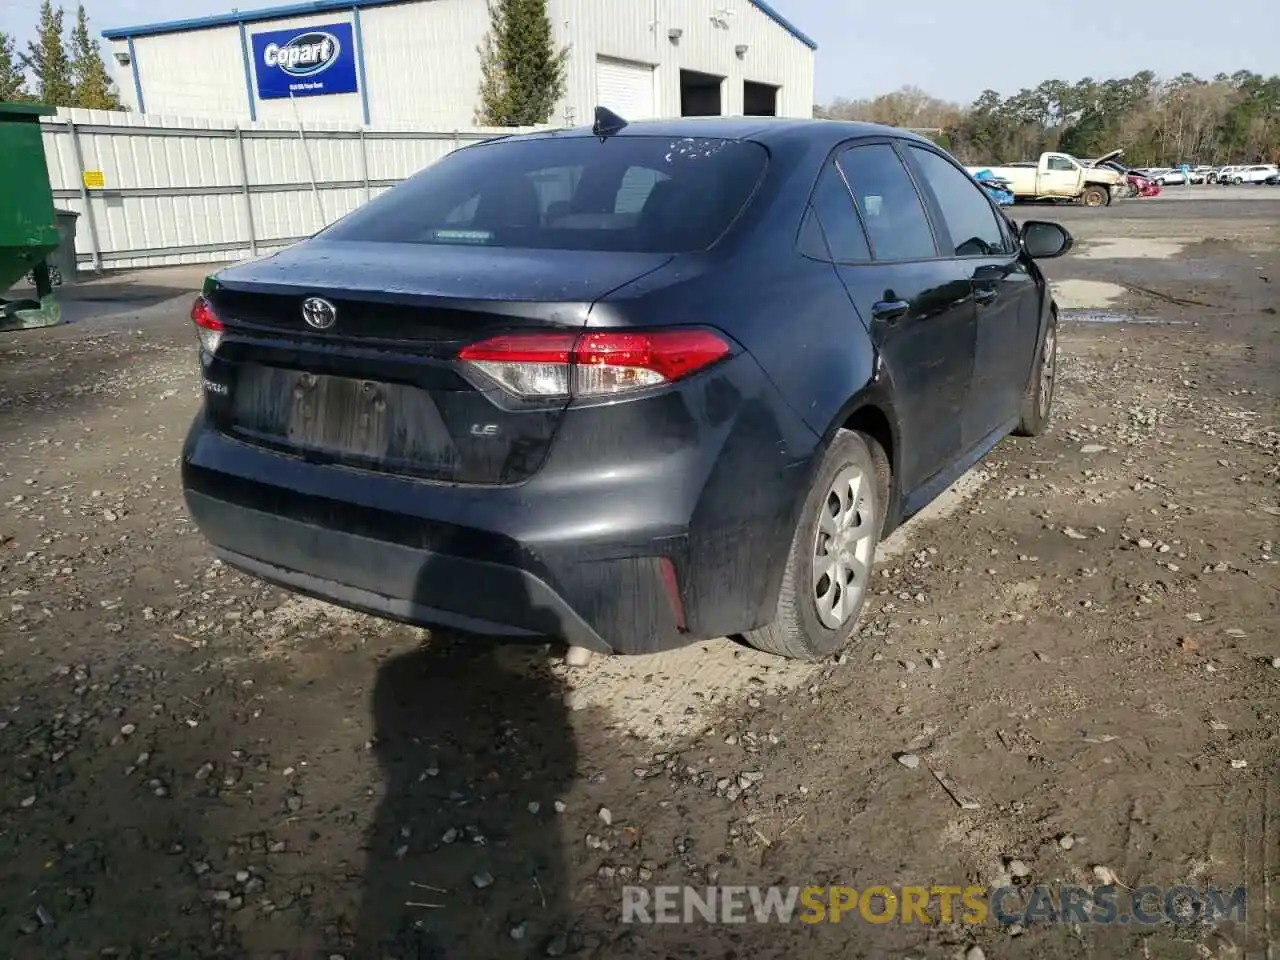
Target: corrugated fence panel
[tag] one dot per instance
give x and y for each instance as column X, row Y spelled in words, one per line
column 158, row 190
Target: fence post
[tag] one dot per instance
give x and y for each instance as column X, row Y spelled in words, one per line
column 78, row 155
column 248, row 198
column 364, row 165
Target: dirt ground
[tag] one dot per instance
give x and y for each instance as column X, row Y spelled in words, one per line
column 1081, row 638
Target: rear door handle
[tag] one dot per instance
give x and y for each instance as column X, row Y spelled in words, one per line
column 890, row 311
column 985, row 295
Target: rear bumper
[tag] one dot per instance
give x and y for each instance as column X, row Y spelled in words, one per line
column 653, row 523
column 390, row 579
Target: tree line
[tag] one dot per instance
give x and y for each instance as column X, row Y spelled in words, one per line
column 57, row 69
column 1229, row 119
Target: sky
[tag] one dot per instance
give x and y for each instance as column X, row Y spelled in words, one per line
column 938, row 45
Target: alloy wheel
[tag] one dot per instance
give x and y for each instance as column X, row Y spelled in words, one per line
column 843, row 546
column 1048, row 361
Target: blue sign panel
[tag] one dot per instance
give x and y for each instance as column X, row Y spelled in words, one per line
column 305, row 61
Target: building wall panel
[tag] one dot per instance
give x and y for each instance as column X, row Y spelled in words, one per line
column 422, row 63
column 201, row 72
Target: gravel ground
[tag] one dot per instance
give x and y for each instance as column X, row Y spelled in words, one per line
column 1080, row 639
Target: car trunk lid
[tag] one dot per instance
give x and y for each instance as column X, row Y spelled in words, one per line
column 380, row 387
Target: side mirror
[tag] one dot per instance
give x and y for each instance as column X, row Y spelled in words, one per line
column 1044, row 240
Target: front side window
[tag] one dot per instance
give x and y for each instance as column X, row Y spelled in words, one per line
column 1062, row 164
column 626, row 193
column 972, row 223
column 891, row 209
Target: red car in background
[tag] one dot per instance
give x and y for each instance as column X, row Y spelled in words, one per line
column 1139, row 186
column 1142, row 186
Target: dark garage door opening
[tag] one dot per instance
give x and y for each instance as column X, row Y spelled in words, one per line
column 700, row 94
column 759, row 99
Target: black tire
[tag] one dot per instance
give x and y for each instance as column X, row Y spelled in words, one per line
column 797, row 632
column 1095, row 197
column 1037, row 402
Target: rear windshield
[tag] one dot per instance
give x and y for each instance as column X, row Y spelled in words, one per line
column 633, row 193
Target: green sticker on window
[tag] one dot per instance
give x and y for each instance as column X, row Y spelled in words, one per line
column 462, row 236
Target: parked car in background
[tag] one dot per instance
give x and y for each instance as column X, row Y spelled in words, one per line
column 1060, row 176
column 1257, row 173
column 629, row 386
column 1223, row 174
column 1167, row 176
column 1144, row 187
column 1111, row 161
column 1273, row 180
column 1138, row 184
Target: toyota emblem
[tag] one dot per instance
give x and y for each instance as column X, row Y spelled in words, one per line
column 319, row 313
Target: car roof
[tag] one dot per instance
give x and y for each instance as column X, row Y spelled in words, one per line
column 760, row 129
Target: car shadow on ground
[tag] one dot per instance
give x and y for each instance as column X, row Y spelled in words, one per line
column 464, row 856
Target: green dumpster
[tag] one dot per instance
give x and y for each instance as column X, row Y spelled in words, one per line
column 28, row 226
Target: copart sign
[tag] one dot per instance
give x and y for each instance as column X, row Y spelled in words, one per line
column 305, row 61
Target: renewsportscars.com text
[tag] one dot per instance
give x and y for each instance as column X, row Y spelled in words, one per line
column 932, row 904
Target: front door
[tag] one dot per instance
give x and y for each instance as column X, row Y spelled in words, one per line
column 1060, row 177
column 918, row 307
column 1005, row 294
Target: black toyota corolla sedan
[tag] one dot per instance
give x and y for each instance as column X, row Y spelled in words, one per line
column 628, row 386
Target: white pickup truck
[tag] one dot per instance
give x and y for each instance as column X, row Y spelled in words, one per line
column 1060, row 176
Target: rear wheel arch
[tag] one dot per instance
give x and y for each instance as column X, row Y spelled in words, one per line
column 871, row 412
column 872, row 421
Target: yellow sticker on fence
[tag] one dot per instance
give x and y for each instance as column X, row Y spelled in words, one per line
column 94, row 180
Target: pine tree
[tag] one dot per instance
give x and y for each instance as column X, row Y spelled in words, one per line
column 13, row 85
column 46, row 58
column 522, row 72
column 93, row 87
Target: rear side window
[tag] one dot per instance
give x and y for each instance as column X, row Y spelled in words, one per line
column 887, row 199
column 834, row 208
column 628, row 193
column 970, row 219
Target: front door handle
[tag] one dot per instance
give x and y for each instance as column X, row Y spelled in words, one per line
column 985, row 295
column 890, row 311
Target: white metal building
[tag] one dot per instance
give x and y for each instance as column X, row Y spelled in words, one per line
column 416, row 61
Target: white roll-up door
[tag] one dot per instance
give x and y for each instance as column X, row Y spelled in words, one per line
column 625, row 88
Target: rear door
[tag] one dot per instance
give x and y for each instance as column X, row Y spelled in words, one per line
column 917, row 305
column 1005, row 295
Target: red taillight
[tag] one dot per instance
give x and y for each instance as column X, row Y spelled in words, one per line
column 208, row 327
column 595, row 364
column 202, row 315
